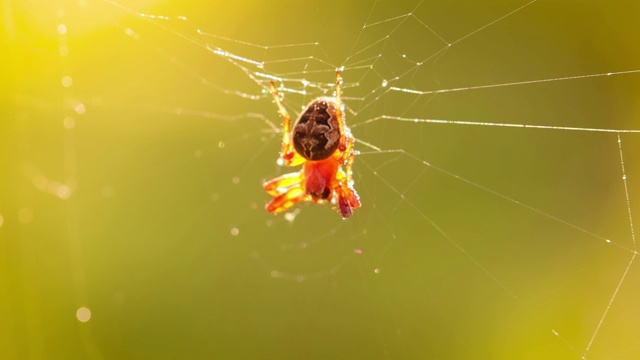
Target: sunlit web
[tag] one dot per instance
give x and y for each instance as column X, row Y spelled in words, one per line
column 497, row 164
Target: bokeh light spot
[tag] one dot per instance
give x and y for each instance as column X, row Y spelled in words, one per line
column 63, row 192
column 25, row 215
column 80, row 108
column 83, row 314
column 69, row 122
column 67, row 81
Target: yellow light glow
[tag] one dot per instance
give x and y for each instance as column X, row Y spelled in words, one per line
column 83, row 314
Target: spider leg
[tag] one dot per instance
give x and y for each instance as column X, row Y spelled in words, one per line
column 274, row 186
column 347, row 197
column 286, row 200
column 340, row 110
column 347, row 155
column 287, row 190
column 348, row 167
column 346, row 141
column 288, row 155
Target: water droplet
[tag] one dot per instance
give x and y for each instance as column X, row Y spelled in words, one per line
column 235, row 180
column 376, row 271
column 63, row 50
column 62, row 29
column 131, row 33
column 235, row 231
column 221, row 145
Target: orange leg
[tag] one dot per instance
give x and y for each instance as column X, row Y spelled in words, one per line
column 286, row 200
column 274, row 186
column 287, row 190
column 349, row 166
column 288, row 155
column 347, row 197
column 347, row 200
column 340, row 110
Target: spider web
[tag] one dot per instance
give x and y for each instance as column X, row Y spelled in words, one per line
column 498, row 157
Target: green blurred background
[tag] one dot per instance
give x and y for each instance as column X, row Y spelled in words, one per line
column 132, row 221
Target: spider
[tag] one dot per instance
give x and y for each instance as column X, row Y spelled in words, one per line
column 321, row 142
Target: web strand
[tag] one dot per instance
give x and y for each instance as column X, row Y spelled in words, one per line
column 631, row 260
column 506, row 125
column 516, row 83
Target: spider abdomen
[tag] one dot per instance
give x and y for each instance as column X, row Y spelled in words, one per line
column 316, row 134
